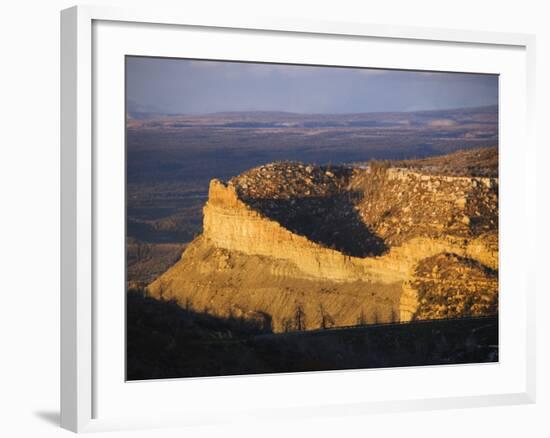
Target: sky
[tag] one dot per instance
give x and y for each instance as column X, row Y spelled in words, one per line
column 180, row 86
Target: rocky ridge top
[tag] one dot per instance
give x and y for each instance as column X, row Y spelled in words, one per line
column 363, row 211
column 376, row 241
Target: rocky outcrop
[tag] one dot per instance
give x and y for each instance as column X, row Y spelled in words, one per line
column 450, row 286
column 401, row 204
column 272, row 247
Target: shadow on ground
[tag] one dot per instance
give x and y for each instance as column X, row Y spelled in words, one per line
column 166, row 341
column 51, row 417
column 329, row 221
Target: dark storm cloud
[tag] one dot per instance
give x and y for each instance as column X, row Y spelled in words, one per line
column 185, row 86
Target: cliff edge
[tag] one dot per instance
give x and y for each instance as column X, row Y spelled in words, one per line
column 305, row 247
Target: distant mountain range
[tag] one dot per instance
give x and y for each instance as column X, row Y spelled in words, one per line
column 456, row 114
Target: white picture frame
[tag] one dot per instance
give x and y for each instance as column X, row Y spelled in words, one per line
column 83, row 369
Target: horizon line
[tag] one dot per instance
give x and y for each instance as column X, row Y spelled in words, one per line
column 170, row 114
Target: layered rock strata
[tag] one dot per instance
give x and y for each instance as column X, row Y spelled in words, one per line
column 272, row 248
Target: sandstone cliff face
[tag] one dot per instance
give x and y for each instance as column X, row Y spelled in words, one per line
column 248, row 263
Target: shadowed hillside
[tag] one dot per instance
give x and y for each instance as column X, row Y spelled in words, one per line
column 167, row 341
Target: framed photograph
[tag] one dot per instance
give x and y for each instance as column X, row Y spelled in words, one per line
column 284, row 218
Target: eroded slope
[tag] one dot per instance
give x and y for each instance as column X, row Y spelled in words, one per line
column 304, row 247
